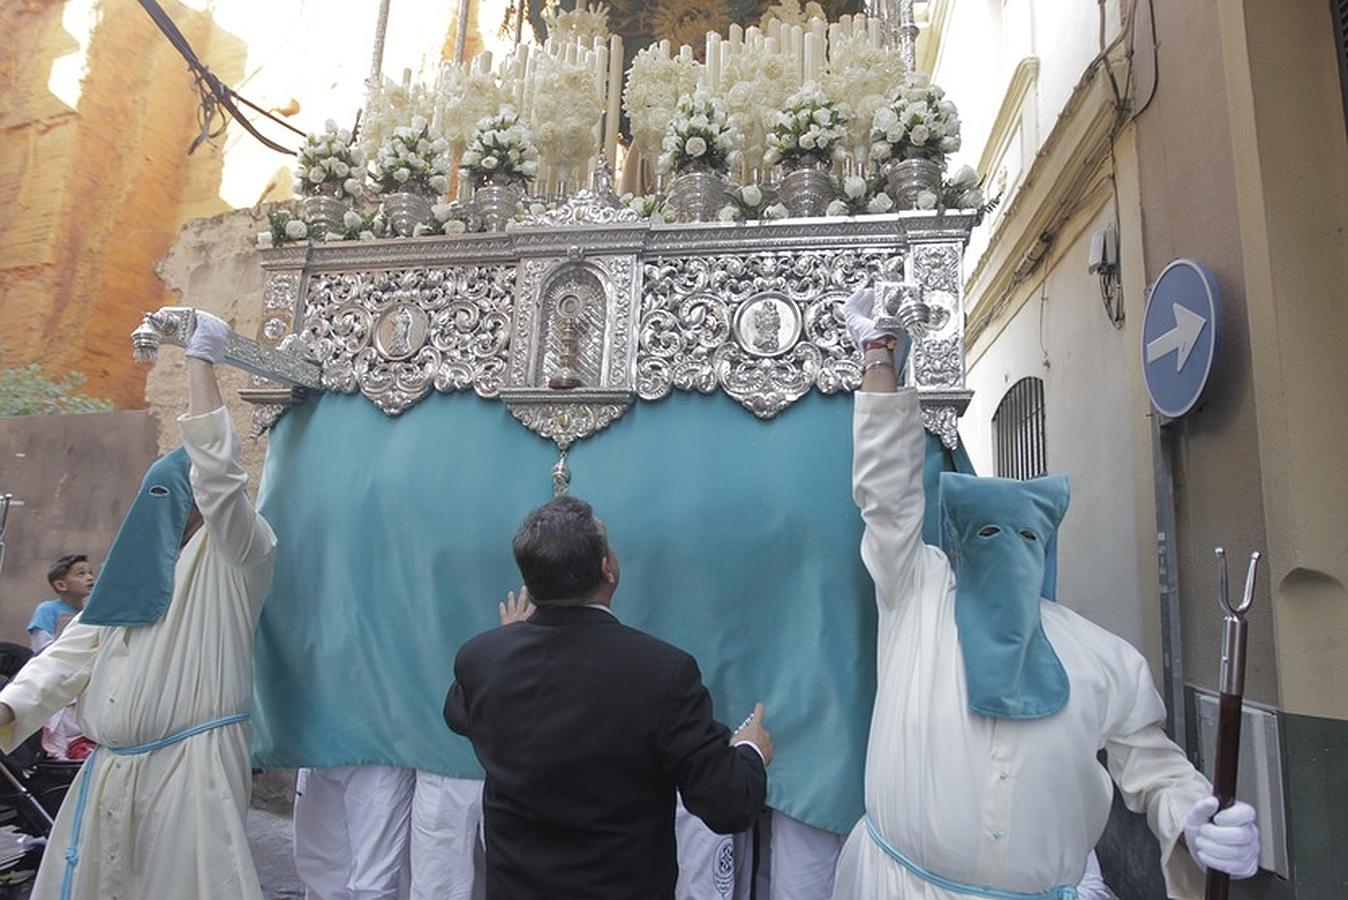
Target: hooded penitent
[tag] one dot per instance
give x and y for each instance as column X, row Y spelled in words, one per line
column 1001, row 536
column 136, row 583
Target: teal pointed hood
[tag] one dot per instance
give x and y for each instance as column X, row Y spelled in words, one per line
column 1001, row 537
column 136, row 583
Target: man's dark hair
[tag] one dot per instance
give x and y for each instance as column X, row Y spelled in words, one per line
column 61, row 568
column 560, row 551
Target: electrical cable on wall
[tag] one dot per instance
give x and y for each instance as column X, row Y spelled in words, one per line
column 218, row 101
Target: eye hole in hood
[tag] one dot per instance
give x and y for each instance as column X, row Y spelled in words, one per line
column 1029, row 535
column 989, row 531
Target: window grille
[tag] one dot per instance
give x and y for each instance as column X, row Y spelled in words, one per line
column 1018, row 426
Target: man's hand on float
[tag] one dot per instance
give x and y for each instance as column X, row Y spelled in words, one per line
column 883, row 350
column 1227, row 841
column 859, row 316
column 753, row 731
column 513, row 610
column 208, row 338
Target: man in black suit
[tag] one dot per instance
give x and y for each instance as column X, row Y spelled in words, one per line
column 586, row 728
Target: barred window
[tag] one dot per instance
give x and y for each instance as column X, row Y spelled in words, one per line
column 1018, row 428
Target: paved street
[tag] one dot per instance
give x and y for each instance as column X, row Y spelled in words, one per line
column 269, row 835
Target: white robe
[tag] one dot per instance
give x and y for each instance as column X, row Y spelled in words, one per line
column 1015, row 805
column 168, row 823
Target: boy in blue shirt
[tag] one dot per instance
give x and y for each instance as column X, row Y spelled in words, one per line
column 72, row 578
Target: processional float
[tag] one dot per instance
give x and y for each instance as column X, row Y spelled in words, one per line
column 690, row 380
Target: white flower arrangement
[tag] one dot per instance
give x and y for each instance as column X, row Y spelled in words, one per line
column 809, row 129
column 748, row 203
column 283, row 228
column 414, row 159
column 389, row 105
column 463, row 100
column 754, row 85
column 790, row 12
column 699, row 137
column 648, row 206
column 328, row 164
column 655, row 82
column 861, row 78
column 567, row 108
column 963, row 190
column 582, row 24
column 860, row 196
column 501, row 150
column 919, row 123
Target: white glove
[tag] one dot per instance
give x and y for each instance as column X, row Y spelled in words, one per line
column 208, row 338
column 1229, row 842
column 859, row 315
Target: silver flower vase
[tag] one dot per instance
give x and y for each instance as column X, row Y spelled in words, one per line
column 323, row 213
column 807, row 190
column 697, row 196
column 907, row 178
column 494, row 203
column 405, row 210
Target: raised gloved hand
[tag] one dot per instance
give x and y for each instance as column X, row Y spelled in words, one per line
column 1229, row 842
column 208, row 338
column 859, row 316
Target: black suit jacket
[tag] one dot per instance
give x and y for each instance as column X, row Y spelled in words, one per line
column 585, row 728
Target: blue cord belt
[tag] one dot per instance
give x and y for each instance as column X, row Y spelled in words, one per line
column 1062, row 892
column 87, row 775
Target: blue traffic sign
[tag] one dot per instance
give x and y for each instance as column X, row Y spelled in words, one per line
column 1181, row 336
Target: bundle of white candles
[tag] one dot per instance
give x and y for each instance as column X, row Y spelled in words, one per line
column 806, row 49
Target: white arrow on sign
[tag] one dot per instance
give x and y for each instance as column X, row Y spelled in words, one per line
column 1180, row 339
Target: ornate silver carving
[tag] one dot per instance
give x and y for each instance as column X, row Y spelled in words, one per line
column 396, row 335
column 690, row 303
column 581, row 208
column 573, row 417
column 282, row 291
column 942, row 421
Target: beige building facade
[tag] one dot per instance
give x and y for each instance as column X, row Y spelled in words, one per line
column 1207, row 130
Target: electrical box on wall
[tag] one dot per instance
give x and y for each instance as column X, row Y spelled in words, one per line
column 1260, row 777
column 1104, row 251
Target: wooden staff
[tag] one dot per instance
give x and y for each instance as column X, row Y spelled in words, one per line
column 1232, row 687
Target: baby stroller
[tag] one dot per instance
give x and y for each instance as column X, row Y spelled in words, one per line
column 31, row 790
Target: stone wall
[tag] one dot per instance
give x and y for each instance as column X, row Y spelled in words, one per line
column 75, row 477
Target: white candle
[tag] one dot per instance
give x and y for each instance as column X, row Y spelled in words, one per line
column 812, row 54
column 752, row 35
column 736, row 33
column 664, row 48
column 714, row 61
column 770, row 45
column 615, row 89
column 685, row 52
column 873, row 32
column 797, row 50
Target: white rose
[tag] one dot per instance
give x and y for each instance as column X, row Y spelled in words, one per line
column 529, row 168
column 699, row 121
column 885, row 119
column 880, row 150
column 296, row 229
column 367, row 235
column 344, row 135
column 454, row 226
column 334, row 236
column 880, row 203
column 807, row 141
column 695, row 146
column 949, row 144
column 926, row 200
column 854, row 186
column 352, row 219
column 298, row 186
column 836, row 208
column 401, row 175
column 441, row 211
column 727, row 214
column 822, row 116
column 772, row 156
column 489, row 163
column 920, row 135
column 418, row 123
column 803, row 118
column 751, row 194
column 471, row 158
column 265, row 240
column 438, row 183
column 964, row 178
column 317, row 174
column 329, row 124
column 894, row 134
column 776, row 211
column 352, row 187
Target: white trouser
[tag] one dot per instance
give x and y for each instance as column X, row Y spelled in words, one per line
column 802, row 859
column 711, row 866
column 351, row 831
column 1092, row 886
column 446, row 823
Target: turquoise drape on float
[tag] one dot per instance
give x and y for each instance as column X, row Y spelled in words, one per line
column 738, row 541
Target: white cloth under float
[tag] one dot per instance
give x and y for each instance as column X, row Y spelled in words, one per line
column 386, row 833
column 1016, row 805
column 168, row 822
